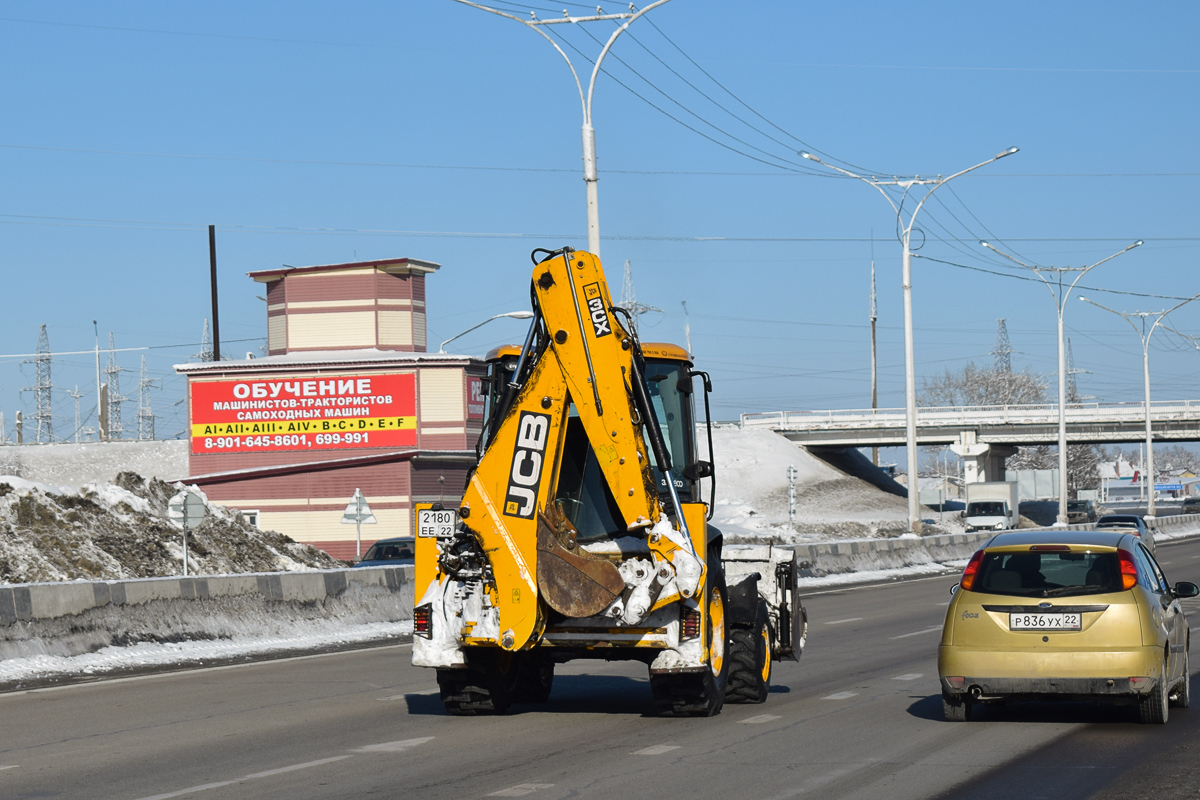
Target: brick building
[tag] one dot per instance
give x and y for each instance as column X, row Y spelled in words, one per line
column 346, row 398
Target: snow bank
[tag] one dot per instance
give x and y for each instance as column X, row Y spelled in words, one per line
column 111, row 531
column 752, row 494
column 73, row 465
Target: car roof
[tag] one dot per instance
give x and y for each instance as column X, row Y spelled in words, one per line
column 1120, row 517
column 1021, row 538
column 395, row 540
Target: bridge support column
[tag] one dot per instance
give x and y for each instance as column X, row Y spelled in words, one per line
column 982, row 462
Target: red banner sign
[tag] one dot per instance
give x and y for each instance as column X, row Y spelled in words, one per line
column 303, row 412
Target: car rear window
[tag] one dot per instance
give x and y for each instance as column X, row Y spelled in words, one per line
column 388, row 552
column 1031, row 574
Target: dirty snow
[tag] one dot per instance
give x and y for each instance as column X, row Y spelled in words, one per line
column 114, row 531
column 75, row 464
column 307, row 637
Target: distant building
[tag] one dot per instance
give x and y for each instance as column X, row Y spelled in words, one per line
column 346, row 398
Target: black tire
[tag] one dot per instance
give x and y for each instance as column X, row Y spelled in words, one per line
column 535, row 678
column 1181, row 697
column 699, row 694
column 750, row 661
column 1154, row 708
column 485, row 686
column 956, row 709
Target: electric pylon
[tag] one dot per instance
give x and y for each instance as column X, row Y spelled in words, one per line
column 1003, row 350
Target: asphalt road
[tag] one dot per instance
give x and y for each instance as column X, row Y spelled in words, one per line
column 858, row 717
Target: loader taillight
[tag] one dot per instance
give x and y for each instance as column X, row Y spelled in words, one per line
column 423, row 621
column 691, row 623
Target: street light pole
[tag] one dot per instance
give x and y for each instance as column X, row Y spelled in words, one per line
column 1145, row 335
column 910, row 376
column 1060, row 300
column 512, row 314
column 590, row 175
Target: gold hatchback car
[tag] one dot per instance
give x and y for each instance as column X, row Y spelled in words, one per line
column 1065, row 615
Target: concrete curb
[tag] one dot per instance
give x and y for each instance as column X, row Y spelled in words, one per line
column 67, row 619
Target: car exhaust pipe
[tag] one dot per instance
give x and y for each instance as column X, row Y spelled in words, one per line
column 975, row 692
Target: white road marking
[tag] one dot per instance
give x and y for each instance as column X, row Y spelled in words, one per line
column 268, row 773
column 8, row 766
column 759, row 719
column 909, row 676
column 521, row 789
column 840, row 621
column 841, row 696
column 917, row 633
column 391, row 747
column 410, row 694
column 656, row 750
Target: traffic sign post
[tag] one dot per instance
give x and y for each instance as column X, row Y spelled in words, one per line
column 186, row 510
column 358, row 513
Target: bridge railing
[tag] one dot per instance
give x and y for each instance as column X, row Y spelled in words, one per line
column 934, row 416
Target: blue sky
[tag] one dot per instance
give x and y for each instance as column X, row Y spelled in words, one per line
column 317, row 132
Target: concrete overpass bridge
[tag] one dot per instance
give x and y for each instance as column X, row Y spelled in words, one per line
column 986, row 435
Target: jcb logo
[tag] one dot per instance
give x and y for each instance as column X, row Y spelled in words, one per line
column 532, row 432
column 596, row 309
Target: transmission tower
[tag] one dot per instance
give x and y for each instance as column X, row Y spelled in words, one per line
column 206, row 344
column 42, row 389
column 1072, row 371
column 145, row 415
column 1003, row 350
column 115, row 398
column 3, row 434
column 629, row 300
column 76, row 395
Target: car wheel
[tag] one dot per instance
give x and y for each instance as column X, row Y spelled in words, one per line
column 1153, row 709
column 1182, row 696
column 956, row 709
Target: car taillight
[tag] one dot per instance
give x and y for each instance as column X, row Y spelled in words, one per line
column 968, row 576
column 691, row 623
column 1129, row 573
column 423, row 621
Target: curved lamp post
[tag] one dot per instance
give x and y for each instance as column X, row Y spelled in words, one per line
column 1060, row 294
column 585, row 98
column 905, row 235
column 512, row 314
column 1145, row 335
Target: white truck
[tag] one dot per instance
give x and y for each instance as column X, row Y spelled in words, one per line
column 991, row 506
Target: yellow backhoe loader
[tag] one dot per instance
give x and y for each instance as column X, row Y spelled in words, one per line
column 581, row 532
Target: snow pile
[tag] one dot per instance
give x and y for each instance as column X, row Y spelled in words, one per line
column 76, row 464
column 752, row 494
column 120, row 530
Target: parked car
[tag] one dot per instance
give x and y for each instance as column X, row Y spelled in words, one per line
column 389, row 553
column 1079, row 511
column 1065, row 615
column 1190, row 505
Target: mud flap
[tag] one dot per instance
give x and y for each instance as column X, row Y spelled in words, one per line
column 571, row 582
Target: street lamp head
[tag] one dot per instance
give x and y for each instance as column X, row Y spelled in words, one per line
column 1007, row 152
column 985, row 244
column 1138, row 243
column 809, row 156
column 1084, row 299
column 520, row 314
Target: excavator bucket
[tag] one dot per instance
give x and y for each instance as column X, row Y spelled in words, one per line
column 572, row 582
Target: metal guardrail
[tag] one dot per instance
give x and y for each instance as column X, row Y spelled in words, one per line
column 940, row 416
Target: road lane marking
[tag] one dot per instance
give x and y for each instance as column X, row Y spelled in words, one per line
column 189, row 790
column 409, row 694
column 759, row 719
column 281, row 770
column 391, row 747
column 909, row 676
column 521, row 789
column 840, row 621
column 841, row 696
column 8, row 766
column 917, row 633
column 656, row 750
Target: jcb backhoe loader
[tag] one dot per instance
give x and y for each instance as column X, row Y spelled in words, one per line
column 581, row 533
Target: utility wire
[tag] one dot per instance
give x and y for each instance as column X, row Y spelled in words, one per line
column 1038, row 280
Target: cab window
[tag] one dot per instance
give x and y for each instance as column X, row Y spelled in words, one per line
column 675, row 415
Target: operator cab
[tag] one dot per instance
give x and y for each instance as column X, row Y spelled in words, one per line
column 584, row 494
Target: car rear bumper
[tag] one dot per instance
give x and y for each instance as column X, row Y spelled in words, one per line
column 1020, row 663
column 985, row 688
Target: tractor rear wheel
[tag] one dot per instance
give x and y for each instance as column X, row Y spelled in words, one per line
column 485, row 686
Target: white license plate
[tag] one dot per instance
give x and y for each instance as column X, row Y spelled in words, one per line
column 436, row 524
column 1045, row 622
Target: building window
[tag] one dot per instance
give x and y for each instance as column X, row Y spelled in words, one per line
column 250, row 516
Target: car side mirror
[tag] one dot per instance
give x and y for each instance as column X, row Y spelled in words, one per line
column 1186, row 589
column 698, row 470
column 954, row 590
